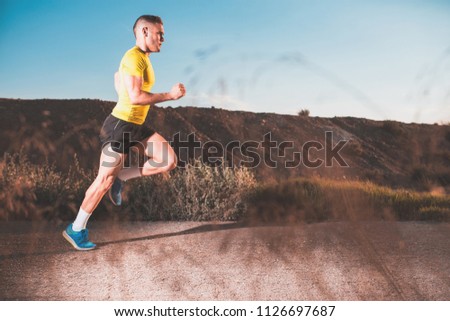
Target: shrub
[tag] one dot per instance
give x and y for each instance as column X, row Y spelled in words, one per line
column 304, row 113
column 39, row 191
column 288, row 202
column 315, row 200
column 393, row 128
column 198, row 192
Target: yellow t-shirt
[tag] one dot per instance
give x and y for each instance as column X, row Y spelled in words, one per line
column 134, row 63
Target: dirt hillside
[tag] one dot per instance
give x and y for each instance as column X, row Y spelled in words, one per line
column 386, row 152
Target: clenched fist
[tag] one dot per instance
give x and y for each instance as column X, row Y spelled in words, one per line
column 177, row 91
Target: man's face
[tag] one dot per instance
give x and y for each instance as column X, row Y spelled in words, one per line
column 154, row 36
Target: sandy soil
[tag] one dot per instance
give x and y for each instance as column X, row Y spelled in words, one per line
column 228, row 261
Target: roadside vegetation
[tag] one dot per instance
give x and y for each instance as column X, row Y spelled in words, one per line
column 315, row 199
column 30, row 191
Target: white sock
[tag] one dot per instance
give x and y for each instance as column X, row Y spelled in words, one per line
column 129, row 173
column 81, row 220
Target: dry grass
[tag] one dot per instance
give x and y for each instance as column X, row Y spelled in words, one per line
column 200, row 193
column 196, row 193
column 313, row 200
column 38, row 191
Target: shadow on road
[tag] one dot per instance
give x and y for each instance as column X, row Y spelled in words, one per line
column 199, row 229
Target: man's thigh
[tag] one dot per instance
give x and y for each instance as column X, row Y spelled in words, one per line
column 111, row 162
column 157, row 148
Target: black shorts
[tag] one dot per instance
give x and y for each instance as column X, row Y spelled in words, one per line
column 122, row 134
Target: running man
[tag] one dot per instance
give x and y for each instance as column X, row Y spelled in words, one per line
column 125, row 128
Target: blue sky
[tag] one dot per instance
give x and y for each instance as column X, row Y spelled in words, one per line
column 375, row 59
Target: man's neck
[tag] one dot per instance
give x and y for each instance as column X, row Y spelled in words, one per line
column 141, row 48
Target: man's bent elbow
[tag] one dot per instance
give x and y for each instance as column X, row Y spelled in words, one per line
column 135, row 100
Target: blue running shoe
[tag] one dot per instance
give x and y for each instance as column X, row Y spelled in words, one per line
column 115, row 192
column 79, row 240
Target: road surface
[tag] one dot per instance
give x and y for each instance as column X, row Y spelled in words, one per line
column 228, row 261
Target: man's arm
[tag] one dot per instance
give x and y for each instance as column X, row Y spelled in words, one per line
column 117, row 82
column 133, row 84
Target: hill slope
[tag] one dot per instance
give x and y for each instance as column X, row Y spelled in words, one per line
column 386, row 152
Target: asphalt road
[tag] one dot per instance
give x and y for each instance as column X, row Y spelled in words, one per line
column 228, row 261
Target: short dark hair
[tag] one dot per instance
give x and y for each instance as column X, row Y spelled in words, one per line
column 148, row 18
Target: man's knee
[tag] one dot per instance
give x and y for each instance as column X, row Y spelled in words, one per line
column 172, row 162
column 168, row 164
